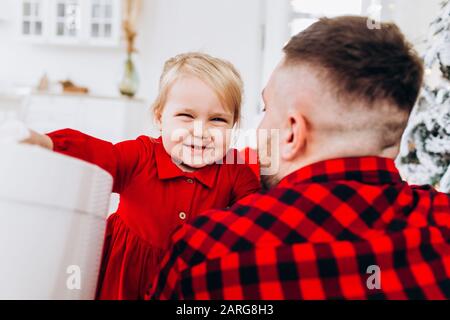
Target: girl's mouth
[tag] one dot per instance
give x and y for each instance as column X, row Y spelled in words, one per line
column 197, row 148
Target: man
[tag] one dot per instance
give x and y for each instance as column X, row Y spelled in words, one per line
column 337, row 221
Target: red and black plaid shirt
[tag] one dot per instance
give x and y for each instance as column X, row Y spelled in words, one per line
column 346, row 228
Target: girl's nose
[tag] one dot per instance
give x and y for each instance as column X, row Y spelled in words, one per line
column 201, row 131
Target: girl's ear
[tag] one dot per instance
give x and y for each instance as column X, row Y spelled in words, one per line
column 157, row 120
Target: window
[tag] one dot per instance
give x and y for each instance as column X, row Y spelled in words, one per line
column 102, row 13
column 71, row 22
column 32, row 18
column 68, row 21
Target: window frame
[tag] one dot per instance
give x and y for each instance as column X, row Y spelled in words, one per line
column 50, row 18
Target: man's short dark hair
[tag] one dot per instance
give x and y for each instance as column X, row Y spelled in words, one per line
column 361, row 63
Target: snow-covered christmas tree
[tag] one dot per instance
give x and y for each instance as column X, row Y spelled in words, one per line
column 425, row 153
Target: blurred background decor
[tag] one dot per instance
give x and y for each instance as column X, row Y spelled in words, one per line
column 425, row 154
column 70, row 87
column 130, row 79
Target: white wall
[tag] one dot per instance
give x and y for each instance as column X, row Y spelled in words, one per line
column 231, row 29
column 226, row 28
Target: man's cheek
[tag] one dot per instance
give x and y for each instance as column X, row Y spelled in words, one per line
column 262, row 138
column 262, row 142
column 268, row 151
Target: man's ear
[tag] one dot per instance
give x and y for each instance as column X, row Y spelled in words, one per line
column 293, row 139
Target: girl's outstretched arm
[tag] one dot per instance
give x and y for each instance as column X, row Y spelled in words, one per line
column 39, row 139
column 121, row 160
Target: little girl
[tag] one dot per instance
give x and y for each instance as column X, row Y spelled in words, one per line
column 168, row 181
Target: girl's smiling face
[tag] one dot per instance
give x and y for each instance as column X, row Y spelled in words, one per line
column 195, row 125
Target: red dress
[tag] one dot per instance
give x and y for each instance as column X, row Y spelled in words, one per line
column 155, row 198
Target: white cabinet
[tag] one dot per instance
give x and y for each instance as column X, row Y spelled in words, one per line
column 76, row 22
column 65, row 20
column 103, row 21
column 33, row 14
column 111, row 119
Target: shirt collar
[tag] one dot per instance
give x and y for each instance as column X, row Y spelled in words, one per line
column 370, row 170
column 167, row 169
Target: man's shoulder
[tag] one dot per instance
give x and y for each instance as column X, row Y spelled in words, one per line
column 430, row 189
column 438, row 201
column 243, row 226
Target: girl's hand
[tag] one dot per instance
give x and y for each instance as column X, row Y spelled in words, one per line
column 38, row 139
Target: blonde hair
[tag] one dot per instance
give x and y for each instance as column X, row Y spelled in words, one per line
column 219, row 74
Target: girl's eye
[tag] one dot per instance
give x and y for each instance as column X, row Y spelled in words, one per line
column 263, row 108
column 219, row 120
column 187, row 115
